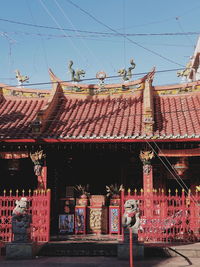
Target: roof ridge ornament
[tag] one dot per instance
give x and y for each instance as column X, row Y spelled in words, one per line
column 21, row 78
column 127, row 74
column 101, row 76
column 185, row 72
column 75, row 74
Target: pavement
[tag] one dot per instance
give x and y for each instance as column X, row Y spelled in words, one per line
column 100, row 262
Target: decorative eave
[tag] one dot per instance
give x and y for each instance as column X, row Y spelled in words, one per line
column 177, row 89
column 194, row 62
column 148, row 104
column 1, row 94
column 96, row 89
column 43, row 116
column 7, row 90
column 100, row 140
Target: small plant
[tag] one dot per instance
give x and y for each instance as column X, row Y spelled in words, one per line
column 113, row 189
column 82, row 189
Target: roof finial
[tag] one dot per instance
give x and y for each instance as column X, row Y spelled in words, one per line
column 75, row 75
column 127, row 74
column 21, row 78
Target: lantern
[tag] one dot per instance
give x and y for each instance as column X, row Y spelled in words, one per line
column 181, row 166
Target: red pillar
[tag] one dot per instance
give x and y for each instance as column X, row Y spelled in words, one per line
column 42, row 178
column 146, row 157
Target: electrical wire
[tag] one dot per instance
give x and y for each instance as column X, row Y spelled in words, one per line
column 39, row 34
column 187, row 193
column 130, row 40
column 181, row 27
column 92, row 79
column 101, row 33
column 53, row 18
column 172, row 167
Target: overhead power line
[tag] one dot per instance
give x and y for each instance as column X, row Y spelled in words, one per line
column 102, row 33
column 127, row 38
column 92, row 79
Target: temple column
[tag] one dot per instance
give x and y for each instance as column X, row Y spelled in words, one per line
column 42, row 178
column 146, row 157
column 40, row 169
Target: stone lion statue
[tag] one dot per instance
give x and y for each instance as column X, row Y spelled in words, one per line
column 21, row 221
column 21, row 206
column 131, row 215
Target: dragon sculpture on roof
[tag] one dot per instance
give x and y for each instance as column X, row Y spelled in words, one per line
column 75, row 75
column 21, row 78
column 127, row 74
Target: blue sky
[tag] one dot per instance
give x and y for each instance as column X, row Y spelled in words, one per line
column 33, row 50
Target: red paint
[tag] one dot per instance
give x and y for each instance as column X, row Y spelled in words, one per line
column 131, row 247
column 39, row 208
column 173, row 218
column 148, row 189
column 122, row 212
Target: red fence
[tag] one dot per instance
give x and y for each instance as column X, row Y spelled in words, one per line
column 167, row 218
column 39, row 208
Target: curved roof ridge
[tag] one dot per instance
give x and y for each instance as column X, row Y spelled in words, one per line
column 176, row 85
column 54, row 78
column 46, row 112
column 13, row 91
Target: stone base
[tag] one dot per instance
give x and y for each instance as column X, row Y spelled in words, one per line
column 123, row 251
column 20, row 251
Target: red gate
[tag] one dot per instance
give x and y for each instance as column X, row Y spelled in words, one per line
column 171, row 219
column 39, row 207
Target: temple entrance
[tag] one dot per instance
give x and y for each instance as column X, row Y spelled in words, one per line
column 98, row 170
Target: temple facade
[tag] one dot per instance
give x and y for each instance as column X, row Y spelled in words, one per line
column 84, row 141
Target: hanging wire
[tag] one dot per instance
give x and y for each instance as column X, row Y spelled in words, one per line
column 61, row 29
column 94, row 78
column 40, row 36
column 172, row 168
column 124, row 31
column 76, row 31
column 181, row 27
column 127, row 38
column 187, row 193
column 101, row 33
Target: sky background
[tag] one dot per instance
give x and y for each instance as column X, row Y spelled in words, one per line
column 94, row 35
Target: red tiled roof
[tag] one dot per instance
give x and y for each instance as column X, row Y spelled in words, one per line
column 118, row 116
column 177, row 116
column 97, row 117
column 16, row 115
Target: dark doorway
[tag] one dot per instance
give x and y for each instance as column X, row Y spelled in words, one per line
column 20, row 178
column 97, row 169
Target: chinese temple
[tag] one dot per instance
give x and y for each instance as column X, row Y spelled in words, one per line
column 82, row 141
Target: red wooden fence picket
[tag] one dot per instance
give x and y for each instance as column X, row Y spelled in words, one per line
column 39, row 207
column 174, row 218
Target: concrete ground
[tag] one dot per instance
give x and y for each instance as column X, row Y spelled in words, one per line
column 100, row 262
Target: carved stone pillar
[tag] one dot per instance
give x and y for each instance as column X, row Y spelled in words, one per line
column 146, row 157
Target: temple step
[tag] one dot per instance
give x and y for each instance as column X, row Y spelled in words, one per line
column 79, row 249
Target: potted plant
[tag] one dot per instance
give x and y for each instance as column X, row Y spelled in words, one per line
column 113, row 193
column 83, row 194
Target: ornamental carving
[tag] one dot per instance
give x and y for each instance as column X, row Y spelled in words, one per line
column 97, row 220
column 38, row 161
column 75, row 74
column 21, row 78
column 131, row 216
column 127, row 74
column 146, row 156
